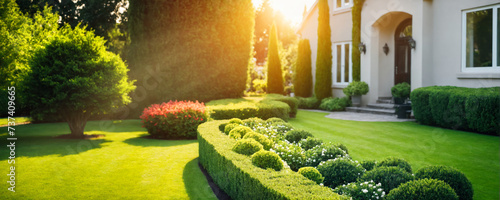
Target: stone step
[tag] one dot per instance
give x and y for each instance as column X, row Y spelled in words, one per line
column 381, row 106
column 384, row 101
column 385, row 98
column 371, row 110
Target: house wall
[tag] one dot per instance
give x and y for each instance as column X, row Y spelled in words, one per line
column 447, row 46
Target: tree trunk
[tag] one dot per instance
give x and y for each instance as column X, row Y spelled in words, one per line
column 77, row 123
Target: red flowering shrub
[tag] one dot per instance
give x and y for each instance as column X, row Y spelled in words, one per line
column 174, row 120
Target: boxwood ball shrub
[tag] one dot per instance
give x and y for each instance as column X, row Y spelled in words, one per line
column 456, row 179
column 263, row 140
column 293, row 155
column 389, row 177
column 423, row 189
column 247, row 146
column 274, row 119
column 236, row 121
column 356, row 88
column 367, row 190
column 369, row 164
column 239, row 132
column 229, row 127
column 295, row 136
column 312, row 174
column 174, row 120
column 310, row 143
column 396, row 162
column 267, row 159
column 340, row 171
column 323, row 152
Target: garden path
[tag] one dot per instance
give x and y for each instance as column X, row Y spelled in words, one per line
column 366, row 117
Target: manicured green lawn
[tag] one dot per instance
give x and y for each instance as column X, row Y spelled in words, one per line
column 120, row 165
column 474, row 154
column 18, row 120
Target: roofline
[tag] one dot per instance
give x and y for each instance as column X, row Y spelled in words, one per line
column 309, row 13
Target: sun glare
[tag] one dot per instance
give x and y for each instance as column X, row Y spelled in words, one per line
column 291, row 9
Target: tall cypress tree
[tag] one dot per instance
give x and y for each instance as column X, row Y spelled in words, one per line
column 303, row 74
column 322, row 87
column 274, row 71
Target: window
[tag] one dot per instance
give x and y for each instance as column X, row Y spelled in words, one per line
column 342, row 63
column 481, row 39
column 342, row 4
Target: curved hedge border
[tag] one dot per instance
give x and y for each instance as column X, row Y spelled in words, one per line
column 244, row 109
column 472, row 109
column 239, row 178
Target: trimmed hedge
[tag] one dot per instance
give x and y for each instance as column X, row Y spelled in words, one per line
column 471, row 109
column 240, row 179
column 244, row 109
column 291, row 101
column 308, row 103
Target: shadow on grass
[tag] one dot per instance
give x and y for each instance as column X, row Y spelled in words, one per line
column 36, row 146
column 195, row 182
column 146, row 141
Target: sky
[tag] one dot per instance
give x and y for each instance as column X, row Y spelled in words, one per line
column 291, row 9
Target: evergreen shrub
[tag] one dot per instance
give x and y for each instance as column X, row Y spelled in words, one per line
column 423, row 189
column 456, row 179
column 340, row 171
column 247, row 146
column 267, row 159
column 312, row 174
column 389, row 177
column 396, row 162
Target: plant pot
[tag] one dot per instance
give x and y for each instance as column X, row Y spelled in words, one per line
column 356, row 100
column 403, row 111
column 399, row 100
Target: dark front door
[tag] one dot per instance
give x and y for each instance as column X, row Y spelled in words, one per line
column 402, row 62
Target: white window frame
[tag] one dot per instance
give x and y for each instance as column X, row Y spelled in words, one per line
column 495, row 62
column 343, row 61
column 342, row 6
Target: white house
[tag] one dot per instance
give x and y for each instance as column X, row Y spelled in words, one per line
column 455, row 42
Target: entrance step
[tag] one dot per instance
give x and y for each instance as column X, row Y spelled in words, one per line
column 386, row 100
column 379, row 111
column 385, row 106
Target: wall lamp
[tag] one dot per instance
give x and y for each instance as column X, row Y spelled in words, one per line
column 386, row 49
column 412, row 43
column 362, row 47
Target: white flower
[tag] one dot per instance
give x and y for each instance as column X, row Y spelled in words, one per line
column 380, row 190
column 364, row 190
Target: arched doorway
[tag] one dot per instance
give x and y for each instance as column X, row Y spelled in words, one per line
column 402, row 56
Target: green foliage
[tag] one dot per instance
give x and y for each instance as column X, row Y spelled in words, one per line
column 335, row 104
column 340, row 171
column 356, row 88
column 310, row 143
column 308, row 103
column 263, row 140
column 275, row 119
column 293, row 155
column 472, row 109
column 369, row 164
column 389, row 177
column 267, row 159
column 312, row 174
column 295, row 136
column 422, row 190
column 396, row 162
column 323, row 84
column 247, row 146
column 302, row 78
column 205, row 45
column 401, row 90
column 356, row 38
column 243, row 109
column 456, row 179
column 288, row 57
column 323, row 152
column 73, row 77
column 367, row 190
column 292, row 102
column 239, row 132
column 236, row 121
column 240, row 179
column 274, row 71
column 229, row 127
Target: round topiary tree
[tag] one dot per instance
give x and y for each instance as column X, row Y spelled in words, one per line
column 247, row 146
column 74, row 77
column 229, row 127
column 312, row 174
column 340, row 171
column 266, row 142
column 423, row 189
column 294, row 136
column 456, row 179
column 239, row 132
column 267, row 159
column 396, row 162
column 389, row 177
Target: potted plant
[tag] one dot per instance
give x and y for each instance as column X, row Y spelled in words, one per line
column 354, row 90
column 401, row 92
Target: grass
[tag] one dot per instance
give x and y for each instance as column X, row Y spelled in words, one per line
column 18, row 120
column 474, row 154
column 121, row 165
